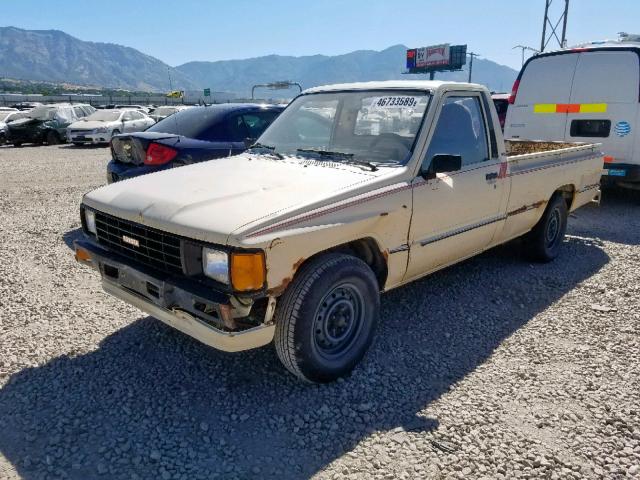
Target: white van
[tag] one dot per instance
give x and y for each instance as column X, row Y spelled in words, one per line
column 589, row 93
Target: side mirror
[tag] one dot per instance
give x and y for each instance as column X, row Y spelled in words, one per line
column 248, row 142
column 443, row 163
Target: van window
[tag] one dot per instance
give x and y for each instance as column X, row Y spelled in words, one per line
column 609, row 77
column 590, row 128
column 547, row 80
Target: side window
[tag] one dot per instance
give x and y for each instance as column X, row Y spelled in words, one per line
column 257, row 122
column 590, row 128
column 137, row 115
column 127, row 117
column 460, row 130
column 236, row 128
column 79, row 113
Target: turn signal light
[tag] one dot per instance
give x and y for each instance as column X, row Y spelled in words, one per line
column 247, row 271
column 159, row 154
column 82, row 255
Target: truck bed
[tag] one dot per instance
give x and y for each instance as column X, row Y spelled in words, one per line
column 523, row 147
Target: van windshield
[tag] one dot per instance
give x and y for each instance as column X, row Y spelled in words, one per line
column 377, row 126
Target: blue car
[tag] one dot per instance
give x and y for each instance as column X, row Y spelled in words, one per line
column 189, row 136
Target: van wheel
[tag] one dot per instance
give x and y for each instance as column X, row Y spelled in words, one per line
column 52, row 138
column 545, row 239
column 326, row 319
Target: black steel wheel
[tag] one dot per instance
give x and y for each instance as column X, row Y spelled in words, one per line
column 544, row 241
column 326, row 319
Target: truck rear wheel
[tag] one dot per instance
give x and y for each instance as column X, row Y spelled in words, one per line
column 545, row 239
column 326, row 319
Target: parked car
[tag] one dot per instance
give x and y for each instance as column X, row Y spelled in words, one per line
column 587, row 93
column 102, row 125
column 293, row 241
column 24, row 106
column 6, row 115
column 161, row 113
column 191, row 135
column 46, row 123
column 501, row 102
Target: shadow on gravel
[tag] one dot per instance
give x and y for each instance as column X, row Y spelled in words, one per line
column 616, row 220
column 70, row 236
column 155, row 403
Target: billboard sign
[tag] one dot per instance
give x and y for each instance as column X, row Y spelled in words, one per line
column 436, row 55
column 436, row 58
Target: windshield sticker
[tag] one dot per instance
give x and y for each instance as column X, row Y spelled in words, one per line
column 394, row 102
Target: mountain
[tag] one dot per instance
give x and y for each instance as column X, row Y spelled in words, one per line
column 362, row 65
column 52, row 55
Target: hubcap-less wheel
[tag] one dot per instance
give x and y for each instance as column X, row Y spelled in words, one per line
column 338, row 320
column 553, row 228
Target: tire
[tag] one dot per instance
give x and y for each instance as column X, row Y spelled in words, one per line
column 544, row 241
column 17, row 144
column 52, row 138
column 326, row 319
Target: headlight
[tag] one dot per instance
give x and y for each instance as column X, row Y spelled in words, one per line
column 90, row 221
column 102, row 130
column 215, row 264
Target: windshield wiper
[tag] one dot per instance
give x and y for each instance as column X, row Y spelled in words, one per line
column 325, row 153
column 271, row 149
column 340, row 156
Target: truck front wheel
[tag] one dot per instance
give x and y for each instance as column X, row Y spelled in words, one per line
column 545, row 239
column 326, row 319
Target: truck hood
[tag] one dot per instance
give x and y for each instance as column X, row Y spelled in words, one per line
column 211, row 200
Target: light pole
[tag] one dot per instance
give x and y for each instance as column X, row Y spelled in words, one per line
column 523, row 48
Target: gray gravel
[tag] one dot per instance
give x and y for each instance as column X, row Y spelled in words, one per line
column 495, row 368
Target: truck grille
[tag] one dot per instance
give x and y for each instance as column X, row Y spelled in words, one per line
column 149, row 246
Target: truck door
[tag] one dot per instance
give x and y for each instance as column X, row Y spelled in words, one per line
column 456, row 215
column 604, row 103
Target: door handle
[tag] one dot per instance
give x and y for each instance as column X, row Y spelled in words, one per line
column 491, row 176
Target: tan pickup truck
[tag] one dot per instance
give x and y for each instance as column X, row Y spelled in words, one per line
column 354, row 190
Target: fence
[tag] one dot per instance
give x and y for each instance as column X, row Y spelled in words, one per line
column 189, row 99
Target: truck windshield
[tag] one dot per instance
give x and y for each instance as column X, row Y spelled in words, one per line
column 376, row 126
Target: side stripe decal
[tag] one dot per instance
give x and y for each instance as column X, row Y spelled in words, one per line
column 570, row 108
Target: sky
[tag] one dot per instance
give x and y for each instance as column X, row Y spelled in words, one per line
column 180, row 31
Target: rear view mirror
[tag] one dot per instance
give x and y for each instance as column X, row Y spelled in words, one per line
column 443, row 163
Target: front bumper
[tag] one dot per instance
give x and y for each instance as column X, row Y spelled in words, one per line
column 174, row 303
column 89, row 137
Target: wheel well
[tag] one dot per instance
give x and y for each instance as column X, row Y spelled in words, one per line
column 367, row 250
column 567, row 192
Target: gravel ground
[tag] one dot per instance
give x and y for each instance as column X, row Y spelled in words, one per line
column 495, row 368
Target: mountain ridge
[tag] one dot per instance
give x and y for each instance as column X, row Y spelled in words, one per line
column 53, row 55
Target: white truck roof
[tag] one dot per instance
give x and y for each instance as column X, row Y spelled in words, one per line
column 427, row 85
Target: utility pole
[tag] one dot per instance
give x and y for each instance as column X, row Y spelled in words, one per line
column 523, row 48
column 562, row 40
column 471, row 54
column 169, row 74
